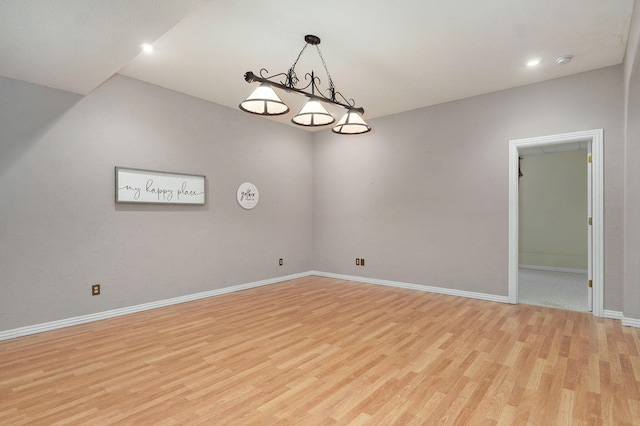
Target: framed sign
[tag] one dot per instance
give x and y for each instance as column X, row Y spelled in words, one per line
column 247, row 195
column 152, row 187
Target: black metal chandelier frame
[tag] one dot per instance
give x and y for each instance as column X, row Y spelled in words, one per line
column 291, row 81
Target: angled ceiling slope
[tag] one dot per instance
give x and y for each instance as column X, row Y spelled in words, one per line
column 76, row 45
column 390, row 59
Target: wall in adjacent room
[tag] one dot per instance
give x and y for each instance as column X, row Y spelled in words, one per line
column 424, row 196
column 553, row 207
column 61, row 231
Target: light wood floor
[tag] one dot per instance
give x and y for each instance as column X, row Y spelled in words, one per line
column 324, row 351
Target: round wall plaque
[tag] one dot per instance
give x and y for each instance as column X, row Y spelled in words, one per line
column 248, row 195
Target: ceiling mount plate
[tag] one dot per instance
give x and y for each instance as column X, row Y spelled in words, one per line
column 311, row 39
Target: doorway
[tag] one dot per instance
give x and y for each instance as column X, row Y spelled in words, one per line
column 592, row 139
column 553, row 230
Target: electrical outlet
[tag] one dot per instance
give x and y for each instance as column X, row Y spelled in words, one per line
column 357, row 261
column 280, row 262
column 95, row 289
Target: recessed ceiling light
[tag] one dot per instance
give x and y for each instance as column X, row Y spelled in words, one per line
column 564, row 59
column 147, row 48
column 533, row 62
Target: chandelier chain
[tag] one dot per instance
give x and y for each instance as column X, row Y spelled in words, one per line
column 293, row 78
column 324, row 64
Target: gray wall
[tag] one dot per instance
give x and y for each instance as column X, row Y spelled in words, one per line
column 632, row 171
column 60, row 230
column 424, row 196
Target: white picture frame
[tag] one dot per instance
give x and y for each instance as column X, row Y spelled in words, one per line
column 155, row 187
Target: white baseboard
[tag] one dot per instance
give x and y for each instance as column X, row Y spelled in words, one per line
column 613, row 315
column 68, row 322
column 631, row 322
column 553, row 269
column 461, row 293
column 409, row 286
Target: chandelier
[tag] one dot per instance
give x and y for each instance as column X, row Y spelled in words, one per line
column 265, row 101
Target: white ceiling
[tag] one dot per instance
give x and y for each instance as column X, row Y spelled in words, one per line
column 389, row 56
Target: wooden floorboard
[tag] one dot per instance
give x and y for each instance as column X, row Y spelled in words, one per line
column 322, row 351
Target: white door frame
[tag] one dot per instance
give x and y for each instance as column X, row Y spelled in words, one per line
column 597, row 198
